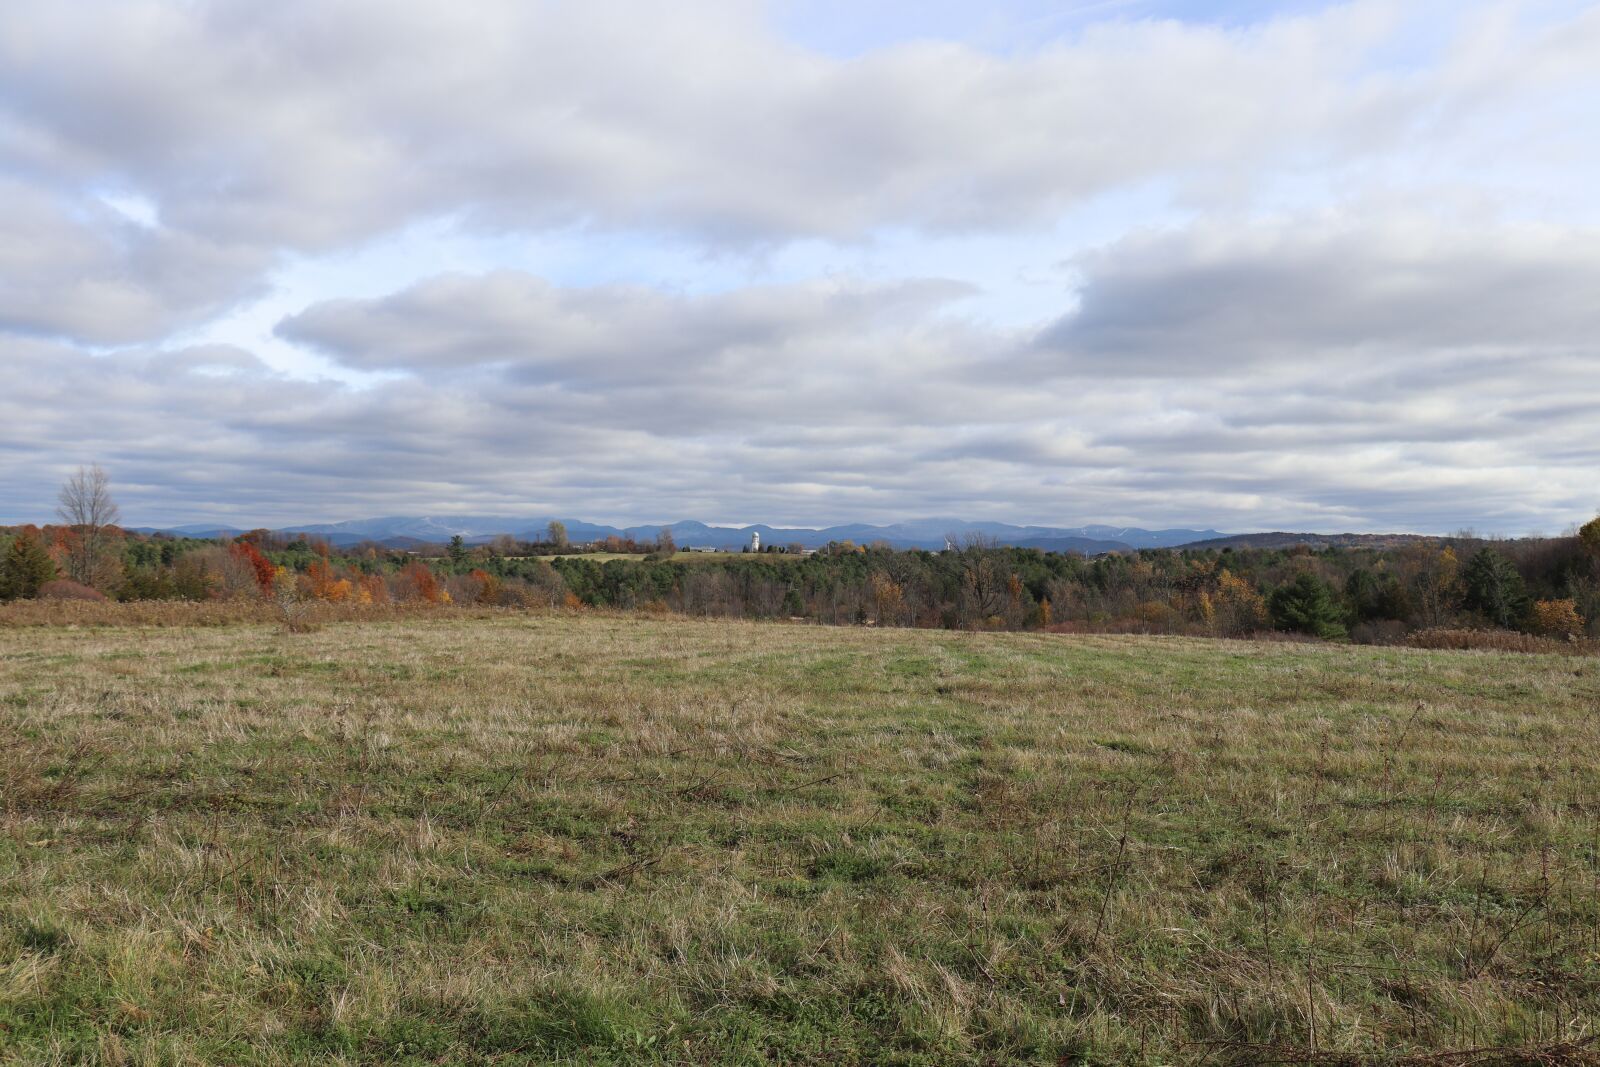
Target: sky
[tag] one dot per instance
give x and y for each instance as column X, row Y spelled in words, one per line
column 1230, row 264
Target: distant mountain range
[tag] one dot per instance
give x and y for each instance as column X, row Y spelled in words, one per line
column 406, row 531
column 1281, row 539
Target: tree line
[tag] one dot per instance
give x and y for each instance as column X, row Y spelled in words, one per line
column 1548, row 587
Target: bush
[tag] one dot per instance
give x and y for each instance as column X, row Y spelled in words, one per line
column 1556, row 618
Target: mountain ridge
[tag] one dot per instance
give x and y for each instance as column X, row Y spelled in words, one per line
column 929, row 533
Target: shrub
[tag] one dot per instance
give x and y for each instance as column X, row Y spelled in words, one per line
column 292, row 604
column 485, row 587
column 417, row 582
column 1556, row 618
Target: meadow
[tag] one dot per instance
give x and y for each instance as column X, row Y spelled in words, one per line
column 498, row 837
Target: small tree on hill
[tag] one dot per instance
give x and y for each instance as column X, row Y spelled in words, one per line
column 1589, row 535
column 1307, row 605
column 87, row 509
column 25, row 568
column 1495, row 589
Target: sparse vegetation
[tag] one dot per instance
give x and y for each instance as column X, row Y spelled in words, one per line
column 483, row 836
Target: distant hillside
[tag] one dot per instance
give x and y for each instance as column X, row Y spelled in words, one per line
column 412, row 530
column 1087, row 545
column 199, row 531
column 1283, row 539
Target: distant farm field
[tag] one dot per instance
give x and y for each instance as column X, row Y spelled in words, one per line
column 575, row 838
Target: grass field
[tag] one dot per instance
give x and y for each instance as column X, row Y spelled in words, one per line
column 525, row 839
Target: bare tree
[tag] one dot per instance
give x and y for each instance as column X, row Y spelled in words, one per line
column 557, row 533
column 984, row 579
column 86, row 506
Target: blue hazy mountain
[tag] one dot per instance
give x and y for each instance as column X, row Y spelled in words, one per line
column 919, row 533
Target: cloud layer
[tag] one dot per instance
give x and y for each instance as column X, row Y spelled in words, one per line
column 1355, row 289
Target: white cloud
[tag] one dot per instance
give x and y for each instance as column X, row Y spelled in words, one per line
column 307, row 124
column 89, row 273
column 1377, row 310
column 882, row 402
column 1232, row 297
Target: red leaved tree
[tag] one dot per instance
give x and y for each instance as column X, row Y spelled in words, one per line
column 246, row 552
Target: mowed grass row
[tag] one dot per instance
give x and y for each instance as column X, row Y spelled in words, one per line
column 525, row 839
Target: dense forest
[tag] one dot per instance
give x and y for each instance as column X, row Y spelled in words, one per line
column 1548, row 587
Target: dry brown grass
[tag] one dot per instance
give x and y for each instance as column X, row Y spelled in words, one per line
column 498, row 838
column 1502, row 641
column 187, row 613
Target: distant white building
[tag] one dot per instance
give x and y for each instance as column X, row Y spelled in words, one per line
column 755, row 540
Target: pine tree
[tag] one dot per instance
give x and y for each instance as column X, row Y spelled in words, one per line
column 25, row 568
column 1306, row 605
column 1495, row 590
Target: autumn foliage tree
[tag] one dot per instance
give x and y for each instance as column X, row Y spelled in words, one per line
column 248, row 554
column 888, row 599
column 1556, row 618
column 1237, row 608
column 1589, row 537
column 325, row 583
column 488, row 587
column 422, row 583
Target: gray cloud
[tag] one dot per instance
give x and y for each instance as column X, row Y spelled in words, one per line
column 87, row 273
column 862, row 401
column 255, row 129
column 1367, row 367
column 1228, row 299
column 308, row 124
column 611, row 333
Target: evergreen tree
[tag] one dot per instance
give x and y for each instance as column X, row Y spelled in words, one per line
column 458, row 550
column 1306, row 605
column 1495, row 589
column 25, row 568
